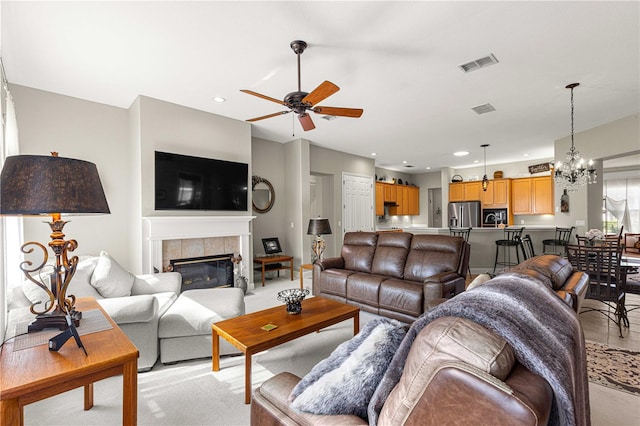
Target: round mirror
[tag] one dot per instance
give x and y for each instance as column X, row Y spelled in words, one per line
column 263, row 194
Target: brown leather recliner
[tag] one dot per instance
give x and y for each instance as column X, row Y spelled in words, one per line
column 457, row 372
column 396, row 274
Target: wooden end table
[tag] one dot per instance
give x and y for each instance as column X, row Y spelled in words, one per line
column 32, row 374
column 269, row 263
column 244, row 332
column 302, row 268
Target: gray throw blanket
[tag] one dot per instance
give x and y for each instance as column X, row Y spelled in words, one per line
column 542, row 330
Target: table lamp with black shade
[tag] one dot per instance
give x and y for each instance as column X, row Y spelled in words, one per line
column 51, row 185
column 318, row 227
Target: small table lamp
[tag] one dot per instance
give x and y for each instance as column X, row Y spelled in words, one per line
column 318, row 226
column 51, row 185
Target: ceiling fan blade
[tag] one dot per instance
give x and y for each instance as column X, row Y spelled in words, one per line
column 340, row 112
column 320, row 93
column 307, row 122
column 269, row 98
column 275, row 114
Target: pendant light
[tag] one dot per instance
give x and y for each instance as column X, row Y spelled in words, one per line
column 485, row 179
column 572, row 174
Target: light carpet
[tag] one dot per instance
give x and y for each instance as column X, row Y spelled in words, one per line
column 189, row 393
column 613, row 367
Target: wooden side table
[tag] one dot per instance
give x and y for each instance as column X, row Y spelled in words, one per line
column 31, row 374
column 273, row 263
column 302, row 268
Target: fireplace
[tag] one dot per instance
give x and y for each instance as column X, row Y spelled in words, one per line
column 205, row 271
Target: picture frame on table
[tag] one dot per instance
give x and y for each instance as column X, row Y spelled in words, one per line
column 271, row 245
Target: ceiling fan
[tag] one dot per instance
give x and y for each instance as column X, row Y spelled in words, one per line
column 302, row 102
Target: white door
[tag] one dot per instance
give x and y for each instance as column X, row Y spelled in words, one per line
column 357, row 203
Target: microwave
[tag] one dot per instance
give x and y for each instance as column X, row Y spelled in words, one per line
column 494, row 217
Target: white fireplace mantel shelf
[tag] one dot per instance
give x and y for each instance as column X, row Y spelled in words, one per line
column 156, row 229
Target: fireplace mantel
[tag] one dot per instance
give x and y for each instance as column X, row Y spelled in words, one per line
column 156, row 229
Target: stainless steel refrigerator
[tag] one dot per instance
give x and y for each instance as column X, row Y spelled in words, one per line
column 465, row 214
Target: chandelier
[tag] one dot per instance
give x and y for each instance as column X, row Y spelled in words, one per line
column 572, row 174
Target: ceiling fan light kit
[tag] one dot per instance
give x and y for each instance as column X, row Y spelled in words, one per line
column 302, row 102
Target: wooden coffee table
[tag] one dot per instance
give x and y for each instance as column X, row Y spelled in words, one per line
column 245, row 333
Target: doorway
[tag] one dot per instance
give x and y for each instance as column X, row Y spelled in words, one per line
column 435, row 208
column 357, row 203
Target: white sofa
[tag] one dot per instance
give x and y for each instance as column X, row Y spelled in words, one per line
column 137, row 314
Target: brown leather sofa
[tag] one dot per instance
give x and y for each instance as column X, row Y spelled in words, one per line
column 395, row 274
column 473, row 376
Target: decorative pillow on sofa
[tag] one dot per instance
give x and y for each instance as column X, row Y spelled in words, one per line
column 35, row 294
column 111, row 279
column 345, row 382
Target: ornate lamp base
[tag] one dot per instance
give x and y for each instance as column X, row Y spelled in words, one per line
column 54, row 320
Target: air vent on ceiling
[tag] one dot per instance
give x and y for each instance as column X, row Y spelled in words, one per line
column 478, row 63
column 329, row 117
column 483, row 109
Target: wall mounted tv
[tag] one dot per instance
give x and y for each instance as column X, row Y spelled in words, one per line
column 183, row 182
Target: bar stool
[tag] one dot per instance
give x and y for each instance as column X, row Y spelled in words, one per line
column 512, row 239
column 560, row 239
column 464, row 233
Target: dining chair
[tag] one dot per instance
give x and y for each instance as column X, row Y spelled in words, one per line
column 607, row 280
column 561, row 238
column 464, row 233
column 527, row 247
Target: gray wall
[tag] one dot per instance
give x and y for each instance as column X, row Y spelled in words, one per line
column 121, row 142
column 88, row 131
column 607, row 141
column 268, row 162
column 327, row 162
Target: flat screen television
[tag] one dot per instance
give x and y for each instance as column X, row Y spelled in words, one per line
column 183, row 182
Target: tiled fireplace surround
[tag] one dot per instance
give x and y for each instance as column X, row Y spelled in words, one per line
column 175, row 237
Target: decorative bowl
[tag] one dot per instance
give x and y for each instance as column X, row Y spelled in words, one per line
column 293, row 297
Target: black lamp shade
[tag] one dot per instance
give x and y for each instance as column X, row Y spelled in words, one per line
column 39, row 184
column 319, row 226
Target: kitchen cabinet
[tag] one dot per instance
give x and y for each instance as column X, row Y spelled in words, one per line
column 379, row 199
column 414, row 200
column 497, row 194
column 456, row 192
column 406, row 199
column 542, row 195
column 532, row 195
column 390, row 193
column 465, row 191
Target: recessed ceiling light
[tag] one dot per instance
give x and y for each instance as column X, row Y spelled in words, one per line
column 525, row 155
column 476, row 161
column 405, row 162
column 428, row 168
column 219, row 99
column 461, row 153
column 374, row 153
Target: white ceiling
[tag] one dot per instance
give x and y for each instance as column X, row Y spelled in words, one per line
column 397, row 60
